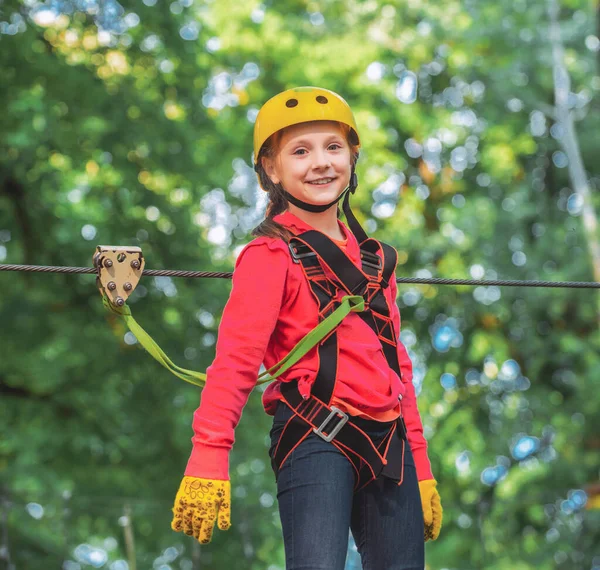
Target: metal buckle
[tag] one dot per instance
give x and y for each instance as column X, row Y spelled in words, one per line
column 369, row 258
column 298, row 256
column 343, row 417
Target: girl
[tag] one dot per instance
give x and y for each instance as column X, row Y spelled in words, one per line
column 347, row 445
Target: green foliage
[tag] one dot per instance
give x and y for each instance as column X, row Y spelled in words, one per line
column 143, row 137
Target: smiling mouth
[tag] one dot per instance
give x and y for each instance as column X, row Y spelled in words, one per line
column 321, row 181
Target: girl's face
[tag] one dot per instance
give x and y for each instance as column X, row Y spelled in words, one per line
column 312, row 162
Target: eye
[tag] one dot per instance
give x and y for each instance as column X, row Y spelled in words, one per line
column 302, row 150
column 338, row 146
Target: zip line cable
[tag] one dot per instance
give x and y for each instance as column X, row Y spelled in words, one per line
column 228, row 275
column 118, row 270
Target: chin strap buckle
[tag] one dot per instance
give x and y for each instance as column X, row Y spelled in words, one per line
column 353, row 182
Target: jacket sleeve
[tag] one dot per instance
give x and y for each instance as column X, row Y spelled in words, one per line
column 246, row 326
column 410, row 410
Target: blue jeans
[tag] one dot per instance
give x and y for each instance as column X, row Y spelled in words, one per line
column 318, row 507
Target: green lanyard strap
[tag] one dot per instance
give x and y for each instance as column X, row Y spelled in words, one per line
column 349, row 304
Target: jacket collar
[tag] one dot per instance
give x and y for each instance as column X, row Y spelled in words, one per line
column 298, row 226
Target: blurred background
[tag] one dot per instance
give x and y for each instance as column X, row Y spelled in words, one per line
column 131, row 124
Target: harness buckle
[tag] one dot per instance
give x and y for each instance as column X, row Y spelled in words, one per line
column 371, row 260
column 296, row 256
column 343, row 418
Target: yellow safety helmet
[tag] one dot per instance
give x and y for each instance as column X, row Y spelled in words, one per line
column 300, row 105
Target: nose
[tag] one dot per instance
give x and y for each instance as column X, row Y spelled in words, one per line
column 321, row 159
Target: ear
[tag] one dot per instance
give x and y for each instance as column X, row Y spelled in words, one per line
column 269, row 167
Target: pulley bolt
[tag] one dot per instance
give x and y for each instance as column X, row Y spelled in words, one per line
column 111, row 285
column 127, row 287
column 108, row 263
column 135, row 264
column 119, row 302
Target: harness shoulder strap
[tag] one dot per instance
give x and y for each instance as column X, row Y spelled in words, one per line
column 314, row 251
column 349, row 277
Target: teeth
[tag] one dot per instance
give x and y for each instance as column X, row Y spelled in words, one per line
column 321, row 181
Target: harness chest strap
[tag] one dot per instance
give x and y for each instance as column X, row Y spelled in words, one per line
column 314, row 251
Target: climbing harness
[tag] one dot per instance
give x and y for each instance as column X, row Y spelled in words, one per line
column 331, row 274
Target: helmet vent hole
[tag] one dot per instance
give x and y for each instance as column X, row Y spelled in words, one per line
column 322, row 100
column 291, row 103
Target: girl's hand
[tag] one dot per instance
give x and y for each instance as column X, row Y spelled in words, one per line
column 200, row 503
column 432, row 508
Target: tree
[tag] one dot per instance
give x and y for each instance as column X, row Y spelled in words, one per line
column 131, row 124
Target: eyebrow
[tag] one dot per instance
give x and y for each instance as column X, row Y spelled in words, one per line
column 307, row 142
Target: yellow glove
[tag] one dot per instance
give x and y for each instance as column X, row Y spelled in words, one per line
column 196, row 505
column 432, row 508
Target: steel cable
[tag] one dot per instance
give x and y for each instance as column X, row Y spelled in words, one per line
column 228, row 275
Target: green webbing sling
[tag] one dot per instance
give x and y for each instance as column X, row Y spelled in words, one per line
column 349, row 303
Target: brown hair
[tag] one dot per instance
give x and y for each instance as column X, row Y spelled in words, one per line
column 277, row 201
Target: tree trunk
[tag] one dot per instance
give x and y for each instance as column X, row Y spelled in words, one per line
column 569, row 142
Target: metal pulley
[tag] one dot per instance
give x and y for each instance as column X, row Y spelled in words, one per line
column 119, row 269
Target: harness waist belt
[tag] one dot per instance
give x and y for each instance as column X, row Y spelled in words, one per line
column 349, row 434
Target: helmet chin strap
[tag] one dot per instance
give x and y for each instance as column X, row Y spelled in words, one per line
column 322, row 207
column 312, row 207
column 353, row 223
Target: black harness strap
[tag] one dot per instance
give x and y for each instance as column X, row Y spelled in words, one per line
column 329, row 270
column 325, row 420
column 368, row 283
column 353, row 223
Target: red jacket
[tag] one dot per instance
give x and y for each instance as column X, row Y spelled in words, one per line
column 271, row 307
